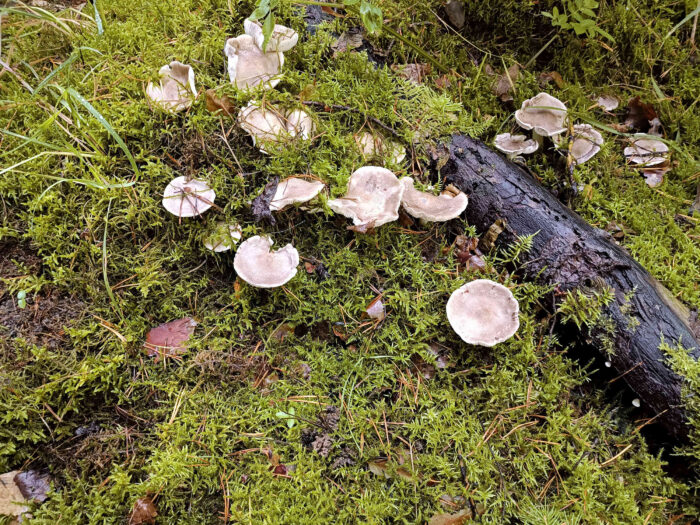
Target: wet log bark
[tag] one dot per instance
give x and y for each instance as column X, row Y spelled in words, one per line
column 570, row 253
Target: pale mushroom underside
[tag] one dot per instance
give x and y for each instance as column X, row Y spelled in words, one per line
column 261, row 267
column 544, row 114
column 248, row 66
column 294, row 190
column 429, row 207
column 176, row 90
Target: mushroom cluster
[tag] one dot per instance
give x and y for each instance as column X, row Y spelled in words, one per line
column 271, row 127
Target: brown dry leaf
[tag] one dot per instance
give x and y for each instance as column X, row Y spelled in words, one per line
column 413, row 72
column 282, row 331
column 261, row 204
column 169, row 339
column 380, row 467
column 310, row 268
column 11, row 497
column 639, row 115
column 348, row 40
column 545, row 78
column 33, row 485
column 458, row 518
column 375, row 309
column 503, row 86
column 222, row 103
column 143, row 512
column 443, row 82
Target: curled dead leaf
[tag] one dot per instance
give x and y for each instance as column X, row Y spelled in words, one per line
column 416, row 73
column 640, row 115
column 458, row 518
column 217, row 103
column 143, row 512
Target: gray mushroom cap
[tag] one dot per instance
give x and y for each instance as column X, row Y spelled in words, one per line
column 585, row 143
column 646, row 151
column 608, row 102
column 187, row 198
column 282, row 38
column 176, row 90
column 294, row 190
column 248, row 66
column 483, row 312
column 515, row 144
column 261, row 267
column 429, row 207
column 373, row 197
column 223, row 238
column 544, row 114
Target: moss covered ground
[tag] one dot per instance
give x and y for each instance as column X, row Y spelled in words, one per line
column 515, row 434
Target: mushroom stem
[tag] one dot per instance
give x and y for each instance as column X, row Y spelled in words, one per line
column 538, row 138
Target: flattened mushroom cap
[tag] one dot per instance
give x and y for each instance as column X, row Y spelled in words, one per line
column 282, row 38
column 248, row 66
column 515, row 144
column 649, row 152
column 259, row 266
column 483, row 312
column 176, row 90
column 586, row 142
column 188, row 198
column 374, row 146
column 543, row 114
column 373, row 197
column 294, row 190
column 608, row 102
column 300, row 124
column 224, row 237
column 264, row 124
column 437, row 208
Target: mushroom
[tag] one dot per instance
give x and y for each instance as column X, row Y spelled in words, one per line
column 374, row 146
column 223, row 238
column 608, row 102
column 483, row 312
column 282, row 38
column 373, row 197
column 265, row 125
column 176, row 90
column 646, row 151
column 436, row 208
column 294, row 190
column 188, row 197
column 261, row 267
column 584, row 144
column 514, row 145
column 543, row 114
column 249, row 66
column 300, row 123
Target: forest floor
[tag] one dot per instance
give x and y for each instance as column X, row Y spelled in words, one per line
column 290, row 405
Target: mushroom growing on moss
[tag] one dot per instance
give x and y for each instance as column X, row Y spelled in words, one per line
column 435, row 208
column 249, row 66
column 514, row 145
column 261, row 267
column 584, row 143
column 223, row 238
column 376, row 147
column 544, row 114
column 282, row 38
column 646, row 151
column 270, row 126
column 483, row 312
column 176, row 90
column 294, row 190
column 188, row 197
column 373, row 197
column 300, row 124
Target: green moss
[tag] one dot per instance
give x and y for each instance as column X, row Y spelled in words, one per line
column 512, row 429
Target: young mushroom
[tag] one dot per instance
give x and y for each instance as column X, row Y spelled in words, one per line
column 223, row 238
column 261, row 267
column 282, row 38
column 373, row 198
column 270, row 126
column 188, row 197
column 434, row 208
column 543, row 114
column 646, row 151
column 249, row 66
column 294, row 190
column 176, row 90
column 514, row 145
column 375, row 147
column 584, row 143
column 483, row 312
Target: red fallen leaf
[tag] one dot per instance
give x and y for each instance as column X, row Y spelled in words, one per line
column 458, row 518
column 169, row 339
column 310, row 268
column 143, row 512
column 639, row 115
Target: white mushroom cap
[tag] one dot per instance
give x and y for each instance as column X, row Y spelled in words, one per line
column 585, row 143
column 608, row 102
column 266, row 125
column 176, row 90
column 282, row 39
column 248, row 66
column 483, row 312
column 373, row 197
column 374, row 146
column 257, row 265
column 224, row 237
column 300, row 123
column 188, row 198
column 646, row 151
column 437, row 208
column 515, row 144
column 543, row 114
column 293, row 190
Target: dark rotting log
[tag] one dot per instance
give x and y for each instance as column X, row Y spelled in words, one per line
column 569, row 253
